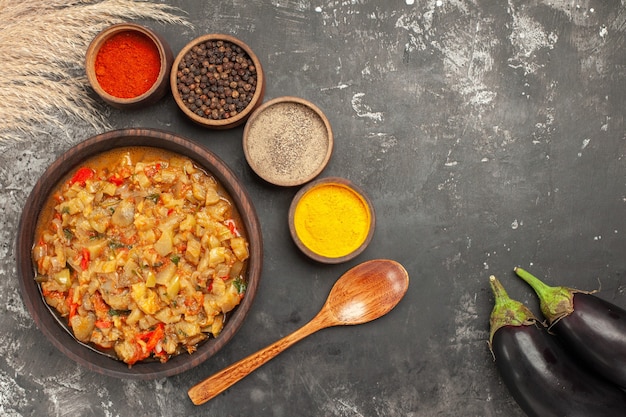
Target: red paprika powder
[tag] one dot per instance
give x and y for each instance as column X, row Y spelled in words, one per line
column 127, row 64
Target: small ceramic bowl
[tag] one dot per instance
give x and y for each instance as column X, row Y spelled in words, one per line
column 331, row 220
column 97, row 72
column 217, row 81
column 288, row 141
column 55, row 329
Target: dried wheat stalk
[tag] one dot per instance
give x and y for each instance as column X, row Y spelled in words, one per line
column 42, row 49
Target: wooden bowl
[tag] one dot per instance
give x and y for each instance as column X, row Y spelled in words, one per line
column 311, row 205
column 288, row 141
column 56, row 331
column 203, row 115
column 159, row 87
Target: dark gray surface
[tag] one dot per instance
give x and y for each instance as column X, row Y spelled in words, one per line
column 487, row 134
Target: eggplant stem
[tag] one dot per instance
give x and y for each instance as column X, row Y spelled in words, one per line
column 555, row 302
column 506, row 311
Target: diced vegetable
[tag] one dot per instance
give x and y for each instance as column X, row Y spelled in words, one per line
column 173, row 287
column 147, row 300
column 150, row 279
column 63, row 278
column 134, row 316
column 217, row 256
column 142, row 180
column 109, row 188
column 83, row 326
column 198, row 192
column 95, row 247
column 165, row 244
column 124, row 213
column 164, row 276
column 188, row 224
column 239, row 245
column 194, row 250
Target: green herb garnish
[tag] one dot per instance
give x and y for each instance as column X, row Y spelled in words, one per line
column 241, row 285
column 153, row 197
column 113, row 312
column 116, row 245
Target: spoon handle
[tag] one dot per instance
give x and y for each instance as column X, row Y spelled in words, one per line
column 222, row 380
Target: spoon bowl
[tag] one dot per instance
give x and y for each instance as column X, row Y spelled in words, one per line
column 368, row 291
column 362, row 294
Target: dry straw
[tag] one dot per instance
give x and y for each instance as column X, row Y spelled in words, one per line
column 42, row 49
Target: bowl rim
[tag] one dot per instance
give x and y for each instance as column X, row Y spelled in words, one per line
column 106, row 34
column 280, row 100
column 71, row 159
column 257, row 97
column 344, row 183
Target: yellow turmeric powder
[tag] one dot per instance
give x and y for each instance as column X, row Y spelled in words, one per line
column 332, row 220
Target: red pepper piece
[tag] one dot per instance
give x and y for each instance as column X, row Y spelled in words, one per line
column 103, row 324
column 102, row 309
column 151, row 170
column 152, row 337
column 232, row 227
column 72, row 305
column 82, row 175
column 84, row 262
column 116, row 179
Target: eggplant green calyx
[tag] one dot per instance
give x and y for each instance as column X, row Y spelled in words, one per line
column 555, row 302
column 506, row 311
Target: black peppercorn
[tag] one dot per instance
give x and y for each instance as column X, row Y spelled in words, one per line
column 216, row 79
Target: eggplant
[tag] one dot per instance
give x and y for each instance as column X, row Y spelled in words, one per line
column 543, row 378
column 591, row 327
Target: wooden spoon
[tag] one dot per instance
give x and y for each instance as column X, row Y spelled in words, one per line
column 364, row 293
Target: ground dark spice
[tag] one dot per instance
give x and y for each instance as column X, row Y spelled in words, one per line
column 287, row 143
column 127, row 64
column 216, row 79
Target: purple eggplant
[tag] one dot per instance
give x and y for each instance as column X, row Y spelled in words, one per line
column 592, row 328
column 541, row 376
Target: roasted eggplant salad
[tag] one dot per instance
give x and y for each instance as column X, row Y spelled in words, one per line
column 142, row 253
